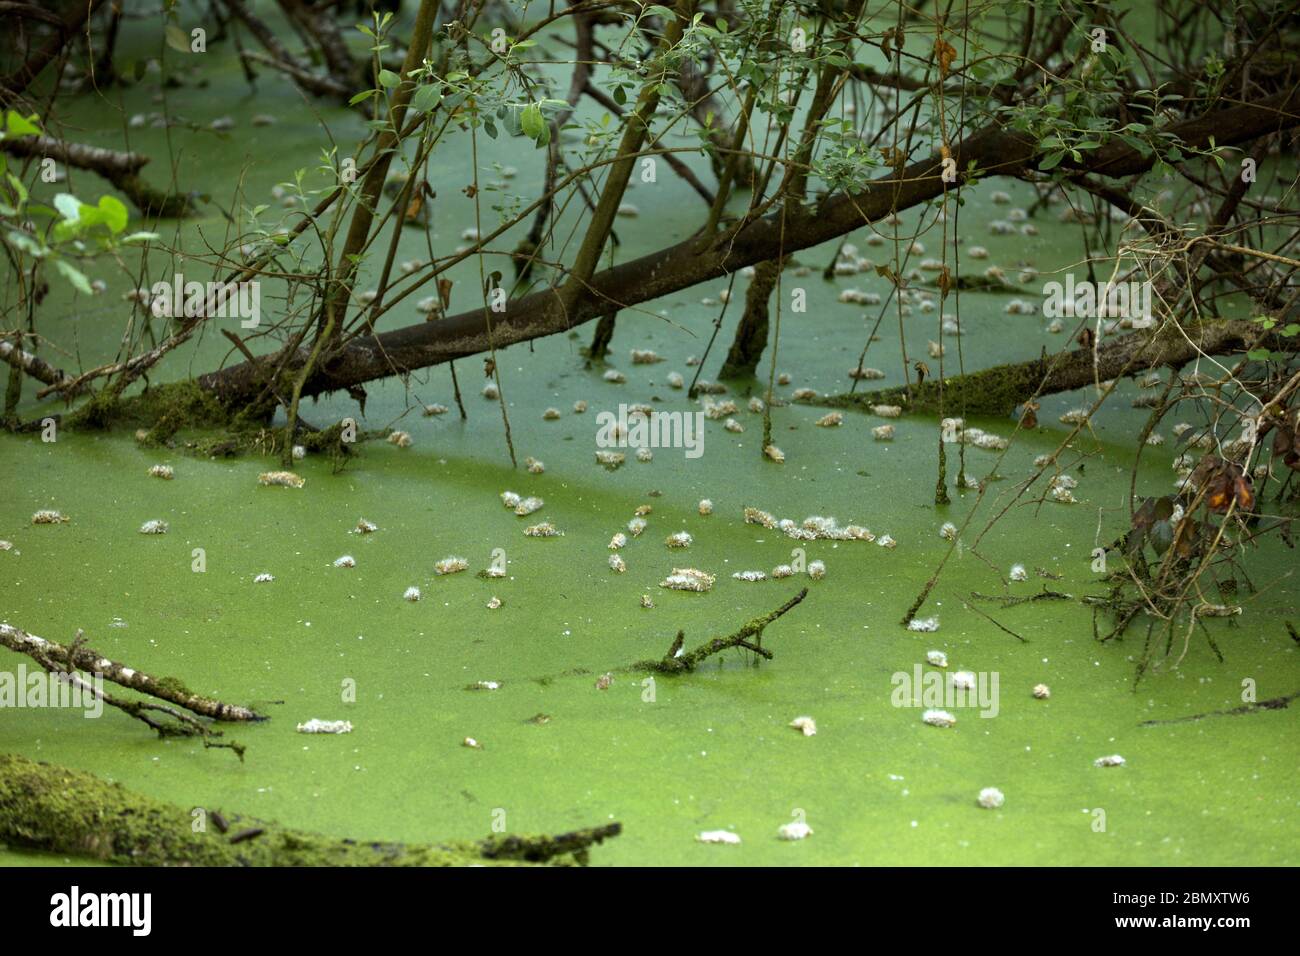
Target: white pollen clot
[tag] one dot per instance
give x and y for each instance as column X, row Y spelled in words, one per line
column 400, row 439
column 283, row 479
column 636, row 526
column 782, row 571
column 886, row 541
column 529, row 505
column 579, row 407
column 645, row 357
column 830, row 420
column 775, row 454
column 365, row 527
column 645, row 455
column 817, row 570
column 936, row 658
column 675, row 380
column 318, row 726
column 718, row 836
column 756, row 405
column 543, row 530
column 805, row 725
column 1041, row 691
column 797, row 830
column 154, row 526
column 938, row 718
column 614, row 376
column 803, row 394
column 991, row 798
column 1018, row 573
column 345, row 561
column 749, row 576
column 733, row 426
column 264, row 578
column 679, row 539
column 610, row 459
column 963, row 680
column 616, row 563
column 1114, row 760
column 705, row 506
column 551, row 415
column 493, row 603
column 298, row 452
column 411, row 594
column 618, row 541
column 948, row 531
column 924, row 625
column 164, row 472
column 450, row 565
column 883, row 433
column 510, row 499
column 688, row 579
column 533, row 466
column 887, row 411
column 491, row 392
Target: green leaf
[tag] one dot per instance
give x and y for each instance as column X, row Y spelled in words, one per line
column 18, row 125
column 426, row 98
column 364, row 94
column 68, row 206
column 115, row 214
column 74, row 276
column 141, row 237
column 532, row 123
column 1259, row 355
column 388, row 79
column 177, row 38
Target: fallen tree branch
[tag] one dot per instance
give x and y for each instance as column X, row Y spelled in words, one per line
column 1273, row 703
column 991, row 151
column 59, row 810
column 78, row 657
column 750, row 637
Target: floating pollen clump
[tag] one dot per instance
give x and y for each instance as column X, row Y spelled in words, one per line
column 948, row 532
column 162, row 471
column 783, row 571
column 755, row 516
column 887, row 541
column 284, row 479
column 534, row 466
column 490, row 391
column 551, row 414
column 493, row 603
column 923, row 624
column 610, row 459
column 1041, row 692
column 991, row 798
column 264, row 578
column 749, row 576
column 688, row 579
column 883, row 433
column 645, row 455
column 345, row 561
column 1064, row 495
column 155, row 526
column 830, row 420
column 774, row 453
column 618, row 541
column 411, row 594
column 543, row 530
column 679, row 539
column 579, row 407
column 529, row 505
column 733, row 426
column 1075, row 416
column 1114, row 760
column 805, row 725
column 675, row 380
column 435, row 409
column 1018, row 573
column 938, row 718
column 756, row 405
column 510, row 499
column 365, row 527
column 400, row 439
column 797, row 830
column 718, row 836
column 645, row 357
column 615, row 376
column 936, row 658
column 49, row 516
column 887, row 411
column 616, row 563
column 817, row 570
column 318, row 726
column 706, row 506
column 803, row 394
column 450, row 565
column 963, row 680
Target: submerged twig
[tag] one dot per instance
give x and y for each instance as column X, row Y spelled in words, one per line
column 749, row 636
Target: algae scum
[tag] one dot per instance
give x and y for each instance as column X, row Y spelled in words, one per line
column 679, row 755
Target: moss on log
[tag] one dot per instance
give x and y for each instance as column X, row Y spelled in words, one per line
column 44, row 807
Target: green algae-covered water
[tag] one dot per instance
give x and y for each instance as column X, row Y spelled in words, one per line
column 681, row 755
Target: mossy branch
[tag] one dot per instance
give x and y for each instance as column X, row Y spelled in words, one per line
column 59, row 810
column 750, row 637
